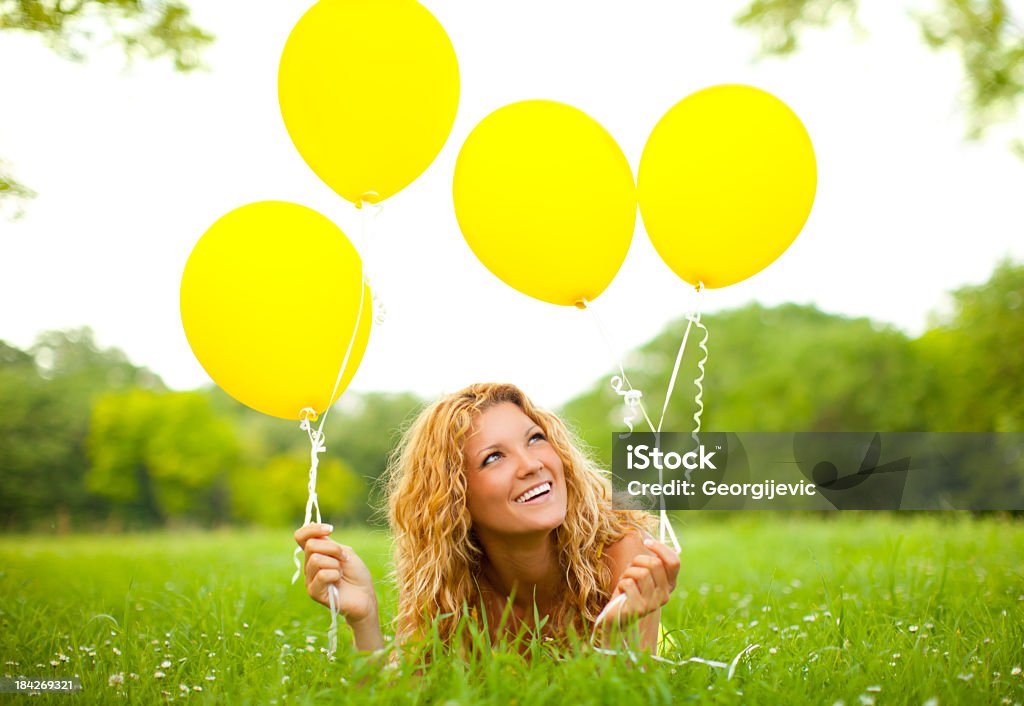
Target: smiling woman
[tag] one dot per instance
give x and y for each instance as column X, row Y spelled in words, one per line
column 494, row 509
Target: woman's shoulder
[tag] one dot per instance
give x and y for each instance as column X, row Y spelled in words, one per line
column 621, row 552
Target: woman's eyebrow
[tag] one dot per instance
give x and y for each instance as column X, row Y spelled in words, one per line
column 492, row 447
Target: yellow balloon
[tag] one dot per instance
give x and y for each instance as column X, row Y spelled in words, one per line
column 726, row 183
column 368, row 91
column 270, row 297
column 546, row 200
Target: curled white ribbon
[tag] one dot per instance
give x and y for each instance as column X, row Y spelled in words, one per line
column 699, row 380
column 731, row 667
column 317, row 447
column 631, row 397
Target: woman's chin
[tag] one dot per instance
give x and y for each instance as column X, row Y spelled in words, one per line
column 548, row 518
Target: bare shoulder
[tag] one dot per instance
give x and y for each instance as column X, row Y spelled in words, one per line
column 621, row 553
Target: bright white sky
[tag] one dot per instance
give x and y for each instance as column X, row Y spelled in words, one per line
column 133, row 165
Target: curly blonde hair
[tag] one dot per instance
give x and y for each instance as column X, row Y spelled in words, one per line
column 437, row 555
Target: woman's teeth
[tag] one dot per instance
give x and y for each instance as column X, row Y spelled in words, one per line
column 539, row 490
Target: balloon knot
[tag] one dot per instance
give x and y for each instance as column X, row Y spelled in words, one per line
column 370, row 197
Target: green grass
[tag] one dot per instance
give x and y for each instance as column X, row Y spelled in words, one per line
column 859, row 608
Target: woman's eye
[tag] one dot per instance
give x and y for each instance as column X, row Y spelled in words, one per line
column 491, row 458
column 539, row 435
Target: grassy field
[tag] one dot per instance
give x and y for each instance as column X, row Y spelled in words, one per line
column 855, row 608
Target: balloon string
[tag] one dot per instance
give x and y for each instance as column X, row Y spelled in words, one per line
column 631, row 397
column 691, row 319
column 332, row 631
column 665, row 529
column 369, row 212
column 317, row 446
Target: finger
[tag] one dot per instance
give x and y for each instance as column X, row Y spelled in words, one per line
column 646, row 586
column 328, row 547
column 306, row 532
column 634, row 601
column 639, row 574
column 657, row 568
column 323, row 579
column 319, row 562
column 648, row 589
column 669, row 557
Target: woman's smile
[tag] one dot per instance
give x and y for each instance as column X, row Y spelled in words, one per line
column 536, row 494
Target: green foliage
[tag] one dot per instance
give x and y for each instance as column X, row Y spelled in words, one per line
column 791, row 368
column 163, row 453
column 31, row 455
column 275, row 494
column 13, row 192
column 985, row 33
column 794, row 368
column 362, row 431
column 979, row 347
column 73, row 28
column 990, row 42
column 201, row 457
column 780, row 22
column 75, row 359
column 46, row 396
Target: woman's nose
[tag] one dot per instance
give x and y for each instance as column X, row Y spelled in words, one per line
column 529, row 464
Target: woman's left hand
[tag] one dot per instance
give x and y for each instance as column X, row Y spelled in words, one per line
column 647, row 583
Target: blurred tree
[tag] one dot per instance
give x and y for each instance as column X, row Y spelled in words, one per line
column 46, row 396
column 12, row 192
column 152, row 29
column 789, row 368
column 74, row 359
column 794, row 368
column 161, row 455
column 362, row 430
column 978, row 344
column 27, row 449
column 275, row 493
column 987, row 34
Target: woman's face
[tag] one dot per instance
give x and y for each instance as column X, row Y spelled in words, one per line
column 515, row 479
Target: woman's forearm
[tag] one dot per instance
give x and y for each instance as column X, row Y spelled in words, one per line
column 367, row 633
column 639, row 634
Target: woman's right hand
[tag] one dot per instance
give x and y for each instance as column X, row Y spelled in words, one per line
column 329, row 563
